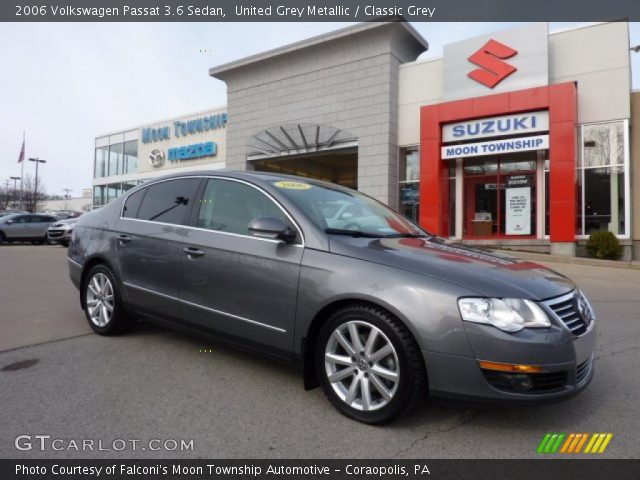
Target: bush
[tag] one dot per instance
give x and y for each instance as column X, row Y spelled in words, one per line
column 604, row 244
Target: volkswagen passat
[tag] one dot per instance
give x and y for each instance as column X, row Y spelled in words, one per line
column 378, row 311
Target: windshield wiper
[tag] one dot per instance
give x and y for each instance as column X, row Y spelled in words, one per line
column 351, row 233
column 406, row 235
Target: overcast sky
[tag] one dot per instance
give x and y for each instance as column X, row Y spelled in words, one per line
column 65, row 84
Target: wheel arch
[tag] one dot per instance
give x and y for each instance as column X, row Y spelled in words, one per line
column 88, row 265
column 309, row 340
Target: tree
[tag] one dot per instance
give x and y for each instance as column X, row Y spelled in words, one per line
column 29, row 200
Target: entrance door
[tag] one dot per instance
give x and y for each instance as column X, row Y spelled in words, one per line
column 500, row 196
column 481, row 206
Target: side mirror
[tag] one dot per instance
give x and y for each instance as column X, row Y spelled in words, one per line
column 271, row 228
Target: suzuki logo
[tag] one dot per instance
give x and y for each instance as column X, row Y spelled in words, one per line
column 490, row 57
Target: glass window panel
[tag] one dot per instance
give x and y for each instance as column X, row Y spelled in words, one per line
column 115, row 159
column 229, row 206
column 113, row 191
column 604, row 200
column 130, row 157
column 409, row 164
column 169, row 201
column 98, row 195
column 410, row 200
column 603, row 144
column 101, row 161
column 481, row 166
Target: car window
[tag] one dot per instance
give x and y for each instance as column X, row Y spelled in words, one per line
column 229, row 206
column 334, row 208
column 132, row 204
column 22, row 219
column 42, row 219
column 168, row 201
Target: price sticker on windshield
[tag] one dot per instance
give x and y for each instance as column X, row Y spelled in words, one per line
column 293, row 185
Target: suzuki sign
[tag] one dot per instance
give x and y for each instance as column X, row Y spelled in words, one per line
column 519, row 124
column 503, row 61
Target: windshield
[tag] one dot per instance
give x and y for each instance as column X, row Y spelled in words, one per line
column 346, row 212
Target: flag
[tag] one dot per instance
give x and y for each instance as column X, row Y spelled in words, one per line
column 21, row 156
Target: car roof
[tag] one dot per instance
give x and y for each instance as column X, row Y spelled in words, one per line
column 264, row 178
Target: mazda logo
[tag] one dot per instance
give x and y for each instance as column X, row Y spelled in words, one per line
column 156, row 158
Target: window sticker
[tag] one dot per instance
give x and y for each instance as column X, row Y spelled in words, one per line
column 289, row 185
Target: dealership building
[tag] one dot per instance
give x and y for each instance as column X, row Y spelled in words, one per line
column 522, row 138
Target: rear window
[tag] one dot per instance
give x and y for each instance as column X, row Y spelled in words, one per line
column 132, row 204
column 168, row 201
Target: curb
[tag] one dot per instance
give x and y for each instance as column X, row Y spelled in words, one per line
column 593, row 262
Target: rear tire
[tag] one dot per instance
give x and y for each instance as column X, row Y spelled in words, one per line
column 103, row 303
column 376, row 376
column 3, row 238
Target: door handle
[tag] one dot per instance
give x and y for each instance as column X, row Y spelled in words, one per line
column 124, row 238
column 192, row 252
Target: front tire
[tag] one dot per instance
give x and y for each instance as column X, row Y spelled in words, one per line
column 103, row 304
column 369, row 364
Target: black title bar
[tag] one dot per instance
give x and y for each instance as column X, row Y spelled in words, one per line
column 317, row 10
column 318, row 469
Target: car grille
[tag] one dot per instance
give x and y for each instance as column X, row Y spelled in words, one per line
column 541, row 382
column 583, row 370
column 55, row 233
column 568, row 311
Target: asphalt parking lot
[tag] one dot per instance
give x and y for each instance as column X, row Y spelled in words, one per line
column 157, row 384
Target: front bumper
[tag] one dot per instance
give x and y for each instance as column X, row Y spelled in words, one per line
column 59, row 235
column 567, row 362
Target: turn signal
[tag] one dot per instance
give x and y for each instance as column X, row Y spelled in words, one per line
column 508, row 367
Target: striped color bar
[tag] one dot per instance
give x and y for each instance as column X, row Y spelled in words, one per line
column 574, row 443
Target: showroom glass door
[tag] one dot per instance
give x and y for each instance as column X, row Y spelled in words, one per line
column 500, row 196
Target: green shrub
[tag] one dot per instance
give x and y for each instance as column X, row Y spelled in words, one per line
column 604, row 244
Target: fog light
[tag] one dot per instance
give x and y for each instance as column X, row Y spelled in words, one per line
column 521, row 383
column 509, row 367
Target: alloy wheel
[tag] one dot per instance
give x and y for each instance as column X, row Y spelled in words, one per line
column 362, row 365
column 100, row 300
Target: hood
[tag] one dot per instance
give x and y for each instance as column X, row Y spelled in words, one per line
column 62, row 223
column 483, row 271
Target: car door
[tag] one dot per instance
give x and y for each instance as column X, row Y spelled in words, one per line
column 149, row 239
column 18, row 228
column 233, row 282
column 38, row 225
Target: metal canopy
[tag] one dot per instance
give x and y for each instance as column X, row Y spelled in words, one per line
column 296, row 139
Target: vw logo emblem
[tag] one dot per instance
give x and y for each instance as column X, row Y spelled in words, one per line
column 156, row 158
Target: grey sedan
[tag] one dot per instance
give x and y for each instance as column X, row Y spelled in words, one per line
column 377, row 311
column 27, row 227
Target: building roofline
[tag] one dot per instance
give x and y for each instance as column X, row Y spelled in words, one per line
column 316, row 40
column 147, row 124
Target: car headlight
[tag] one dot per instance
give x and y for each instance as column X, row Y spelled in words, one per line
column 508, row 314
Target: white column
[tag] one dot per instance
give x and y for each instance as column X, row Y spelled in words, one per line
column 459, row 198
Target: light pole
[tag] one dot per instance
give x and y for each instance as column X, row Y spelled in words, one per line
column 35, row 193
column 66, row 196
column 15, row 191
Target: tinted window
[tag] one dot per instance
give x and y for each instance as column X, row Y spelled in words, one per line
column 23, row 219
column 229, row 206
column 132, row 204
column 169, row 201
